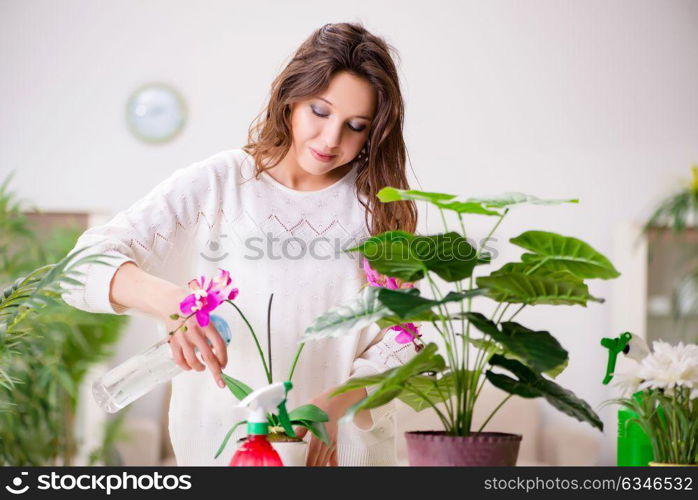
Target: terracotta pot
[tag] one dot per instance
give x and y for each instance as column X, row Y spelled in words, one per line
column 436, row 448
column 292, row 453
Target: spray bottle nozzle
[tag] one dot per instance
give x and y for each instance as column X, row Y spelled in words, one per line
column 269, row 399
column 631, row 345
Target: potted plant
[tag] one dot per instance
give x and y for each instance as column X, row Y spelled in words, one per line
column 517, row 359
column 46, row 346
column 661, row 389
column 206, row 298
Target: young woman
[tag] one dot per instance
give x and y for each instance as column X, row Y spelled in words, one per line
column 278, row 214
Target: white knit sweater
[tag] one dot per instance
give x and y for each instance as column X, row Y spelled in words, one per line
column 273, row 239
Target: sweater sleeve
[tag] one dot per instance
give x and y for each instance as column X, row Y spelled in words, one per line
column 144, row 234
column 382, row 353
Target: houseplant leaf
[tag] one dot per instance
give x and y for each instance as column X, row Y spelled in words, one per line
column 435, row 389
column 407, row 304
column 537, row 349
column 404, row 256
column 441, row 200
column 530, row 384
column 348, row 317
column 575, row 255
column 393, row 254
column 553, row 288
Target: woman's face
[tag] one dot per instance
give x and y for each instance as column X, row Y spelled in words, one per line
column 334, row 123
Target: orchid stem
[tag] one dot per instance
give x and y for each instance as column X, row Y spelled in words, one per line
column 256, row 341
column 271, row 371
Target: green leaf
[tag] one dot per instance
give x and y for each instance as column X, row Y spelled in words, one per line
column 227, row 437
column 529, row 384
column 407, row 303
column 481, row 206
column 239, row 389
column 510, row 199
column 319, row 430
column 388, row 321
column 437, row 390
column 309, row 412
column 359, row 382
column 553, row 288
column 576, row 256
column 449, row 255
column 389, row 194
column 537, row 349
column 353, row 315
column 392, row 254
column 394, row 380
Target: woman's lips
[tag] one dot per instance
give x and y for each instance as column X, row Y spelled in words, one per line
column 321, row 157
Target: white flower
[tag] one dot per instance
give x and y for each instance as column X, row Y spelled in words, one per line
column 627, row 381
column 667, row 367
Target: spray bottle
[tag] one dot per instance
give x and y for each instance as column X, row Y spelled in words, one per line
column 256, row 451
column 634, row 447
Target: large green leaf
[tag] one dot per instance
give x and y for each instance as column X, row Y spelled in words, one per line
column 510, row 199
column 554, row 288
column 481, row 206
column 388, row 194
column 449, row 255
column 393, row 254
column 348, row 317
column 441, row 200
column 537, row 349
column 401, row 255
column 576, row 256
column 435, row 389
column 393, row 381
column 529, row 384
column 407, row 304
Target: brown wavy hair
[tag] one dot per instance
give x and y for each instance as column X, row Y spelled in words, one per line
column 331, row 49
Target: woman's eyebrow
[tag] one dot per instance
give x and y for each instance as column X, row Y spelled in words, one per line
column 358, row 116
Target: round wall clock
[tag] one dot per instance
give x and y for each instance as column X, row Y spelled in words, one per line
column 156, row 113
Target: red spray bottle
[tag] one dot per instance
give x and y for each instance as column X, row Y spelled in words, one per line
column 256, row 451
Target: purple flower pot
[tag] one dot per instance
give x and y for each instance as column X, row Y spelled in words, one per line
column 436, row 448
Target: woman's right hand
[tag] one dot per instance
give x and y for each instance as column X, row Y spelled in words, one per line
column 182, row 343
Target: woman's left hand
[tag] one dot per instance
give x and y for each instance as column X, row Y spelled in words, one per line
column 319, row 454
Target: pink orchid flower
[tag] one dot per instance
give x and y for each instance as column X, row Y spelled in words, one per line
column 207, row 297
column 409, row 332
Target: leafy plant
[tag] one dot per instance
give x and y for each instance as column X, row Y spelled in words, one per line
column 518, row 360
column 679, row 212
column 46, row 346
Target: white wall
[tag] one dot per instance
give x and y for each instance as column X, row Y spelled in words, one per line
column 593, row 99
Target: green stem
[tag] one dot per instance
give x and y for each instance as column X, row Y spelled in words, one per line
column 517, row 311
column 493, row 412
column 295, row 360
column 503, row 311
column 256, row 341
column 442, row 417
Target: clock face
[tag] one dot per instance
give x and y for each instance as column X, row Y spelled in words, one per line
column 155, row 113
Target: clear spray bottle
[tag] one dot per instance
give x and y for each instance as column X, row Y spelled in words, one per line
column 141, row 373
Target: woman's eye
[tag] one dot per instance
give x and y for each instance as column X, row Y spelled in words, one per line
column 317, row 113
column 359, row 128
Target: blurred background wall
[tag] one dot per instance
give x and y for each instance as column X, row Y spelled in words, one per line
column 590, row 99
